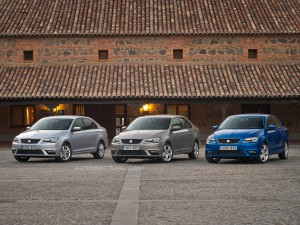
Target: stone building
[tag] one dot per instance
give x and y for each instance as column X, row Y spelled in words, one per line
column 114, row 60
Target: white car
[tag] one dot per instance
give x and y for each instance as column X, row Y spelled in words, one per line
column 61, row 137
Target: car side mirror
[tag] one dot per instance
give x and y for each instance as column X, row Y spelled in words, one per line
column 215, row 127
column 271, row 127
column 76, row 129
column 123, row 128
column 175, row 128
column 27, row 128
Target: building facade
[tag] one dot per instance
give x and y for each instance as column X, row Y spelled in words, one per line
column 116, row 60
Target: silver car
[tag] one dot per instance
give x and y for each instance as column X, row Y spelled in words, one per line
column 159, row 136
column 61, row 137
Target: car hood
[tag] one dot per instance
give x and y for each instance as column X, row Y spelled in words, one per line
column 40, row 134
column 237, row 133
column 141, row 134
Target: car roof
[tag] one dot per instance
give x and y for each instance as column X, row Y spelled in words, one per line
column 66, row 117
column 252, row 114
column 162, row 116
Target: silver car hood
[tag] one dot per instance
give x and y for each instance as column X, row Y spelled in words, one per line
column 142, row 134
column 40, row 134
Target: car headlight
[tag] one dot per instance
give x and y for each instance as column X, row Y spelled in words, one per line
column 210, row 140
column 116, row 140
column 50, row 140
column 152, row 140
column 250, row 140
column 16, row 140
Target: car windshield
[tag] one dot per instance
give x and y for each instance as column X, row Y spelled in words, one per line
column 242, row 122
column 52, row 124
column 147, row 123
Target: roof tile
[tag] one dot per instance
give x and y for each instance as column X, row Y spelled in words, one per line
column 148, row 17
column 149, row 81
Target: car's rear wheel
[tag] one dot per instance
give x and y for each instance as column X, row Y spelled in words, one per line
column 167, row 154
column 65, row 153
column 285, row 153
column 22, row 158
column 264, row 154
column 119, row 159
column 212, row 159
column 99, row 154
column 195, row 153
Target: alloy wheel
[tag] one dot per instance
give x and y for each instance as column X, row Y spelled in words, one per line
column 167, row 153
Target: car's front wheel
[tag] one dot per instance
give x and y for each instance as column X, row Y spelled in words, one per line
column 285, row 153
column 22, row 158
column 99, row 154
column 167, row 154
column 212, row 159
column 65, row 153
column 264, row 154
column 195, row 153
column 119, row 159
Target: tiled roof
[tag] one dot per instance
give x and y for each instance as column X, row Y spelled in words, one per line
column 148, row 17
column 106, row 82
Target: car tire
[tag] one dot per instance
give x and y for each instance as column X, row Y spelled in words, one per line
column 285, row 153
column 65, row 153
column 99, row 154
column 264, row 154
column 119, row 159
column 195, row 153
column 212, row 159
column 167, row 154
column 22, row 158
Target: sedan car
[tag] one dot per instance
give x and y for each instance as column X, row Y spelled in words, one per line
column 158, row 136
column 248, row 136
column 60, row 137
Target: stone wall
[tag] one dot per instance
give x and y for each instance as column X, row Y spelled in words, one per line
column 155, row 49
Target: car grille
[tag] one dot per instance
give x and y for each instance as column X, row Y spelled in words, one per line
column 230, row 152
column 231, row 140
column 131, row 152
column 30, row 141
column 131, row 141
column 30, row 152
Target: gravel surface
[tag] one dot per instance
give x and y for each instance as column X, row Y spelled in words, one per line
column 87, row 191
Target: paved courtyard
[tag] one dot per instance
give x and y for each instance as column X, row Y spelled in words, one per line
column 90, row 191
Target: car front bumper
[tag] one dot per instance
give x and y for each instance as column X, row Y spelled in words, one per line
column 244, row 150
column 144, row 151
column 36, row 150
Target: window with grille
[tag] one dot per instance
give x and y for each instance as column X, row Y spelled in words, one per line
column 103, row 54
column 177, row 53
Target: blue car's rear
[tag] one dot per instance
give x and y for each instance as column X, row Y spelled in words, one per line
column 248, row 136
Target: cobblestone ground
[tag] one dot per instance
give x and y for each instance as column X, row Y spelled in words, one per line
column 87, row 191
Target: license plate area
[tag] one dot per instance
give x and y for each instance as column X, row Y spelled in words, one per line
column 228, row 148
column 131, row 147
column 28, row 147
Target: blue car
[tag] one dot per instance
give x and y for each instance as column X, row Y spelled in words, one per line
column 248, row 136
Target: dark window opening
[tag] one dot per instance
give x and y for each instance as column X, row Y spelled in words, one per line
column 177, row 54
column 28, row 55
column 256, row 108
column 103, row 54
column 22, row 116
column 252, row 53
column 183, row 110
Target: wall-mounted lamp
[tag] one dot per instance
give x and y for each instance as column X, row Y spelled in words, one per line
column 146, row 107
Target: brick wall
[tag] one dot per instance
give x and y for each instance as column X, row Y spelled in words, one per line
column 139, row 49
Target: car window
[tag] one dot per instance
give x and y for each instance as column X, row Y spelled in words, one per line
column 89, row 124
column 176, row 122
column 272, row 120
column 52, row 124
column 243, row 122
column 150, row 123
column 79, row 123
column 185, row 123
